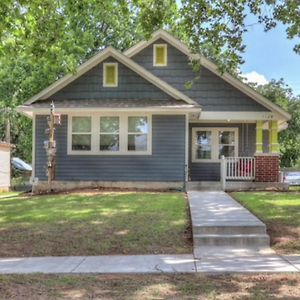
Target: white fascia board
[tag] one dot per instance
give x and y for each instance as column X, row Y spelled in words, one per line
column 239, row 116
column 161, row 34
column 29, row 111
column 110, row 51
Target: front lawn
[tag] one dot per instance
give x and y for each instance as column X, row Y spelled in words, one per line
column 136, row 287
column 94, row 224
column 8, row 194
column 280, row 211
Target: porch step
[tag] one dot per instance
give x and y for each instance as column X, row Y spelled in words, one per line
column 238, row 240
column 229, row 229
column 220, row 223
column 203, row 186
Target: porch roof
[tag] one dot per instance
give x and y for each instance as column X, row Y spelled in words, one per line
column 109, row 105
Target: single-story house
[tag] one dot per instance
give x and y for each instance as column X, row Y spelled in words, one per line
column 4, row 166
column 128, row 119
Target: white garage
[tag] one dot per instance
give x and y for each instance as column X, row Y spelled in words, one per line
column 4, row 166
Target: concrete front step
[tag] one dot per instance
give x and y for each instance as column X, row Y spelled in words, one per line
column 229, row 229
column 239, row 240
column 201, row 252
column 203, row 186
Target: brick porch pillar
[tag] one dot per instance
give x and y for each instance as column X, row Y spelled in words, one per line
column 267, row 164
column 266, row 168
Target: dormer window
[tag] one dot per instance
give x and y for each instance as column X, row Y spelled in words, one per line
column 110, row 74
column 160, row 55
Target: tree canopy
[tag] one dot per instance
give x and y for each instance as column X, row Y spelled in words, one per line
column 281, row 94
column 40, row 41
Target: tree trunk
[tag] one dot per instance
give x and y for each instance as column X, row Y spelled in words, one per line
column 7, row 130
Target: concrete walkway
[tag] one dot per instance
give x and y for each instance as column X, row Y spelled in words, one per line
column 150, row 264
column 100, row 264
column 227, row 238
column 222, row 227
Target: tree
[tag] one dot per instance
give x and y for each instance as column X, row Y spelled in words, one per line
column 281, row 94
column 40, row 41
column 216, row 28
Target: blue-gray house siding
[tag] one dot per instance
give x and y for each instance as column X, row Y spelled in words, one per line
column 211, row 91
column 210, row 171
column 130, row 86
column 167, row 162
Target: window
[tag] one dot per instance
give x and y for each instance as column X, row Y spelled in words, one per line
column 209, row 144
column 110, row 74
column 81, row 133
column 137, row 133
column 110, row 134
column 160, row 55
column 203, row 150
column 226, row 143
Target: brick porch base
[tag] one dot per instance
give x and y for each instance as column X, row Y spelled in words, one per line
column 267, row 168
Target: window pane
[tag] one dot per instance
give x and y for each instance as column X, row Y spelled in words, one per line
column 81, row 142
column 137, row 142
column 138, row 124
column 160, row 55
column 110, row 75
column 109, row 124
column 226, row 137
column 203, row 140
column 227, row 151
column 203, row 153
column 81, row 124
column 109, row 142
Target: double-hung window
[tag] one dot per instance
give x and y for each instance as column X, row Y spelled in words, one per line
column 110, row 134
column 209, row 144
column 137, row 133
column 81, row 133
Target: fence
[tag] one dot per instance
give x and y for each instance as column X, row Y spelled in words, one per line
column 237, row 168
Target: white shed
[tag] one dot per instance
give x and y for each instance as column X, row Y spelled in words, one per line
column 4, row 166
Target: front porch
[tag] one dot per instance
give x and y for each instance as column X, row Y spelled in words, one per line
column 235, row 155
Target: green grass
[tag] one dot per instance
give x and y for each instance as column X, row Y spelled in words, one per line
column 94, row 224
column 136, row 287
column 281, row 213
column 8, row 194
column 294, row 188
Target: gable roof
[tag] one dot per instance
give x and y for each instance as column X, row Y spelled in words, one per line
column 98, row 58
column 244, row 88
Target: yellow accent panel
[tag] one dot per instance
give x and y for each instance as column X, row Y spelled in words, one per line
column 110, row 75
column 273, row 137
column 160, row 55
column 259, row 137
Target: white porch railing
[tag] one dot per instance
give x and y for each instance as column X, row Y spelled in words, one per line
column 237, row 168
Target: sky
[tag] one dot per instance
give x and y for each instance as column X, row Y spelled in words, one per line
column 270, row 55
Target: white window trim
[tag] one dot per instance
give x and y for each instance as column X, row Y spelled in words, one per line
column 116, row 74
column 123, row 134
column 82, row 133
column 215, row 143
column 154, row 55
